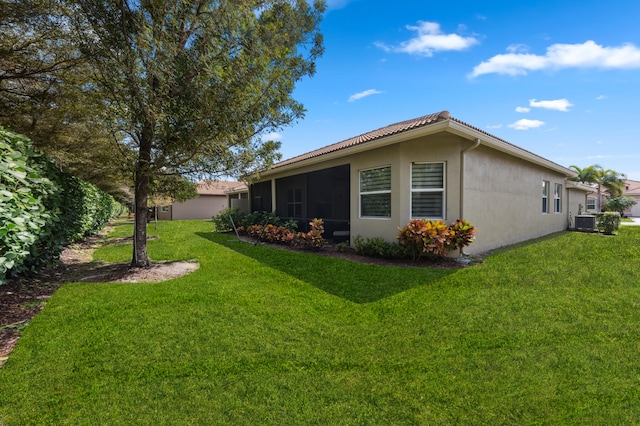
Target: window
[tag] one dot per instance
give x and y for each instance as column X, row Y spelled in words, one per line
column 545, row 196
column 591, row 203
column 557, row 198
column 294, row 202
column 164, row 209
column 427, row 190
column 375, row 192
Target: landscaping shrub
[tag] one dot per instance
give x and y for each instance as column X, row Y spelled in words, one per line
column 608, row 222
column 42, row 208
column 431, row 238
column 222, row 220
column 260, row 218
column 377, row 247
column 463, row 234
column 285, row 234
column 312, row 239
column 270, row 233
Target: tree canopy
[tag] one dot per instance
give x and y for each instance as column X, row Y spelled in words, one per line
column 46, row 93
column 190, row 87
column 153, row 90
column 596, row 175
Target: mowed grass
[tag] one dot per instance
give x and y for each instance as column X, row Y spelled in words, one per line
column 543, row 333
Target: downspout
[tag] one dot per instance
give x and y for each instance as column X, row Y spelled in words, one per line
column 462, row 155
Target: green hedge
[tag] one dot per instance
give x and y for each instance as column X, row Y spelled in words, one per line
column 42, row 208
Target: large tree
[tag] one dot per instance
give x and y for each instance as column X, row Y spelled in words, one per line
column 191, row 86
column 596, row 175
column 46, row 93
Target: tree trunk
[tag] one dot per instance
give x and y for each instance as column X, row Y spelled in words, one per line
column 140, row 257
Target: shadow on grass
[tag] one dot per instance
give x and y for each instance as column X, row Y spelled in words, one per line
column 353, row 281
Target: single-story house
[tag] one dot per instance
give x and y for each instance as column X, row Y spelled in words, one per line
column 632, row 189
column 432, row 167
column 239, row 197
column 213, row 197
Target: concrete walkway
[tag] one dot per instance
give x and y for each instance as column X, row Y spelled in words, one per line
column 636, row 222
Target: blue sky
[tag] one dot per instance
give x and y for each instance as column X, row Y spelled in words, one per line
column 558, row 78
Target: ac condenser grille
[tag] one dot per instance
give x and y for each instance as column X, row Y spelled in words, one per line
column 586, row 223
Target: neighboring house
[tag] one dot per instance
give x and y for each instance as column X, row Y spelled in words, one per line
column 212, row 198
column 239, row 197
column 631, row 189
column 433, row 167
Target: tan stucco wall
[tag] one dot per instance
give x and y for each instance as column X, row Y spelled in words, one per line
column 202, row 207
column 577, row 204
column 503, row 199
column 634, row 211
column 502, row 195
column 164, row 215
column 437, row 148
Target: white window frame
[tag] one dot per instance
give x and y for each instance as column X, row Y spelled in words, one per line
column 557, row 198
column 361, row 193
column 442, row 190
column 545, row 196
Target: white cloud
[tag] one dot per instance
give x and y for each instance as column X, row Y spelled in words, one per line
column 430, row 39
column 273, row 136
column 364, row 94
column 494, row 126
column 601, row 97
column 526, row 124
column 559, row 56
column 517, row 48
column 336, row 4
column 522, row 109
column 557, row 104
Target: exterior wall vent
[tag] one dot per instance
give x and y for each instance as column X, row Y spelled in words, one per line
column 586, row 223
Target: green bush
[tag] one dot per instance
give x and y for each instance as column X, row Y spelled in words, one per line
column 608, row 222
column 222, row 220
column 377, row 247
column 260, row 218
column 25, row 199
column 42, row 208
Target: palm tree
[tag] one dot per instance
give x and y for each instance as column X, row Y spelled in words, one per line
column 585, row 175
column 611, row 180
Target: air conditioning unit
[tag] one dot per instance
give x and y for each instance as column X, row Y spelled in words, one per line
column 586, row 223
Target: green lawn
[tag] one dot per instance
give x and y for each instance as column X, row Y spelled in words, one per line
column 542, row 333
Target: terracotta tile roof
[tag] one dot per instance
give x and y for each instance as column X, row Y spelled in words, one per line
column 394, row 129
column 216, row 187
column 240, row 187
column 634, row 187
column 389, row 130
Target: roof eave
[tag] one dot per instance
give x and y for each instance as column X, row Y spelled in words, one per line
column 450, row 125
column 580, row 186
column 366, row 146
column 486, row 139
